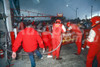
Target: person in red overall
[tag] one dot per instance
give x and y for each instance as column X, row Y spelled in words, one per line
column 46, row 37
column 93, row 41
column 74, row 28
column 58, row 29
column 29, row 39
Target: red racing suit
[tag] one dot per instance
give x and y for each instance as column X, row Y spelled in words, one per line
column 75, row 29
column 29, row 39
column 46, row 36
column 58, row 28
column 93, row 41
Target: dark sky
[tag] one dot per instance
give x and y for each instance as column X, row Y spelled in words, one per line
column 52, row 7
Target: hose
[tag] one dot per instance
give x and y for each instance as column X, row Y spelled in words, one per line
column 55, row 48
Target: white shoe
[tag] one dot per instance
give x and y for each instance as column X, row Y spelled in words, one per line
column 82, row 48
column 41, row 57
column 49, row 56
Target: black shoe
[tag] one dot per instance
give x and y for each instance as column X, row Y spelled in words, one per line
column 58, row 58
column 76, row 54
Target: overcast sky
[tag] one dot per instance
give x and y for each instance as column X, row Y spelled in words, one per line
column 52, row 7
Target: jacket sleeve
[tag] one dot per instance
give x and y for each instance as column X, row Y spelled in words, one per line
column 91, row 37
column 40, row 41
column 17, row 42
column 63, row 29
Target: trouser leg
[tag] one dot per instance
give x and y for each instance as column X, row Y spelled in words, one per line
column 58, row 52
column 98, row 58
column 38, row 54
column 31, row 56
column 58, row 49
column 79, row 43
column 54, row 46
column 90, row 57
column 50, row 48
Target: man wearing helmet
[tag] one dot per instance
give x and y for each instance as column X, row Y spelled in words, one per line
column 93, row 41
column 74, row 28
column 58, row 28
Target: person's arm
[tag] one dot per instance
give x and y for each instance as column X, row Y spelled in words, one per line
column 16, row 44
column 91, row 37
column 63, row 29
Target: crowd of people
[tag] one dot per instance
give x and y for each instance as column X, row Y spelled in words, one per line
column 30, row 38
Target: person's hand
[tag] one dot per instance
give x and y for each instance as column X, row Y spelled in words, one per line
column 87, row 47
column 43, row 50
column 14, row 55
column 82, row 48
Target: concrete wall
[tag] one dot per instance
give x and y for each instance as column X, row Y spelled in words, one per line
column 7, row 13
column 2, row 24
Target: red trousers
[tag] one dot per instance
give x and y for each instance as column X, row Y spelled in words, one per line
column 93, row 51
column 79, row 43
column 48, row 44
column 55, row 43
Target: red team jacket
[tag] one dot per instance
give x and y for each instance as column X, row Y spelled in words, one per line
column 94, row 39
column 29, row 39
